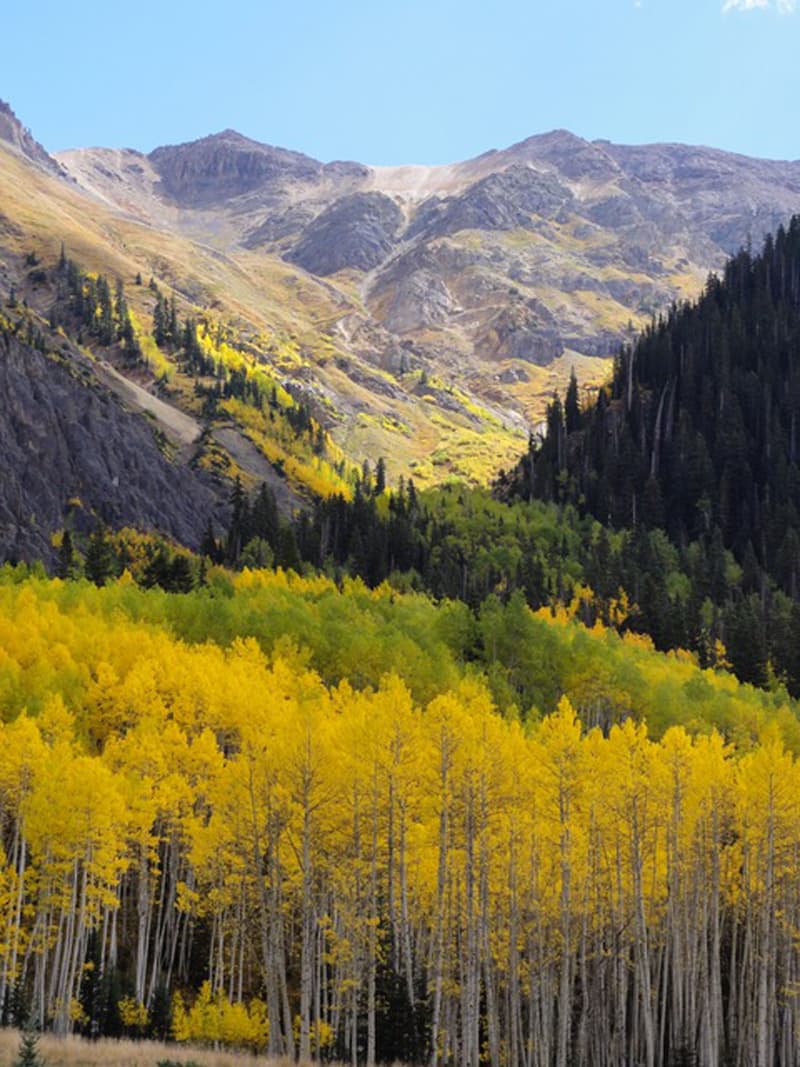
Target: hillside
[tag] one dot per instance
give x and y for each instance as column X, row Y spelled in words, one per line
column 585, row 237
column 423, row 314
column 696, row 435
column 72, row 455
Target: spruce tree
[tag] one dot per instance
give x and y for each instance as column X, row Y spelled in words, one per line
column 66, row 557
column 380, row 476
column 99, row 563
column 572, row 410
column 28, row 1053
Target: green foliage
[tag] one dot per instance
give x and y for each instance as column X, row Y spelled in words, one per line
column 28, row 1054
column 696, row 441
column 350, row 632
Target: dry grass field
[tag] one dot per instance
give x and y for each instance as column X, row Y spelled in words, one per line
column 78, row 1052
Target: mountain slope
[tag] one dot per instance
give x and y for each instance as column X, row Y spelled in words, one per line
column 72, row 455
column 423, row 314
column 696, row 437
column 600, row 234
column 13, row 133
column 278, row 317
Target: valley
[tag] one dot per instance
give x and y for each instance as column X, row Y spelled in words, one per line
column 399, row 607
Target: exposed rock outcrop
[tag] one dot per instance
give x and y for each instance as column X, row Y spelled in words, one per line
column 224, row 166
column 64, row 439
column 20, row 138
column 357, row 231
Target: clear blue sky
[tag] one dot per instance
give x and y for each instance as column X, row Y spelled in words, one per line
column 413, row 81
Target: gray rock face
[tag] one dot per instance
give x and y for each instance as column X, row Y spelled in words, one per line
column 224, row 166
column 14, row 133
column 524, row 331
column 503, row 201
column 63, row 440
column 420, row 300
column 357, row 231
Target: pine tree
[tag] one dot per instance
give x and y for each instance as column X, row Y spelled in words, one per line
column 157, row 572
column 209, row 547
column 236, row 530
column 28, row 1053
column 99, row 562
column 572, row 411
column 181, row 579
column 66, row 557
column 105, row 325
column 380, row 476
column 159, row 320
column 264, row 515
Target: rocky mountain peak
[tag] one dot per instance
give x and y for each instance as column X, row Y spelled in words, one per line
column 572, row 156
column 225, row 165
column 22, row 140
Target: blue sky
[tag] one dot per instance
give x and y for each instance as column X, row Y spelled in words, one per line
column 414, row 81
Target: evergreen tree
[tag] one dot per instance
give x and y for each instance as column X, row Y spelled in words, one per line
column 99, row 562
column 209, row 547
column 28, row 1053
column 159, row 321
column 105, row 328
column 236, row 531
column 66, row 557
column 158, row 569
column 181, row 579
column 380, row 476
column 572, row 411
column 265, row 519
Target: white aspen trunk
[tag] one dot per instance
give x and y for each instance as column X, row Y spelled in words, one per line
column 438, row 948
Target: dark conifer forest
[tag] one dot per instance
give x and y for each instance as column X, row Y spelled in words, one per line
column 697, row 436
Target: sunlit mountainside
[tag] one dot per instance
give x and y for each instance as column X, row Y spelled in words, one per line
column 424, row 314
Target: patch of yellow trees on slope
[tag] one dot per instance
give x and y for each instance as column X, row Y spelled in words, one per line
column 277, row 852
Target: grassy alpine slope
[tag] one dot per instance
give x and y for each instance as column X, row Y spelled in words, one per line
column 275, row 316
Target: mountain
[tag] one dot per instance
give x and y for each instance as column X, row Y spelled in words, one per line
column 18, row 137
column 330, row 313
column 582, row 238
column 498, row 273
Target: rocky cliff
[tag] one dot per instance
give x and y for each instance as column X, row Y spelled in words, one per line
column 22, row 140
column 71, row 453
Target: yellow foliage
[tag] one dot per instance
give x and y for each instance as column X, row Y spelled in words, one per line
column 133, row 1014
column 212, row 1019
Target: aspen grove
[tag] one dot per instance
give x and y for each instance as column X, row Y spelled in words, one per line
column 319, row 870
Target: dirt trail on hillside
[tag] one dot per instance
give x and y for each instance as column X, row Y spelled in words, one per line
column 184, row 431
column 180, row 428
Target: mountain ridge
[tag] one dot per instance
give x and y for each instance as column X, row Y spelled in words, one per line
column 422, row 314
column 666, row 212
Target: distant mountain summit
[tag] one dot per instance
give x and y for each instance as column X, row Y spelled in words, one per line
column 228, row 165
column 584, row 240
